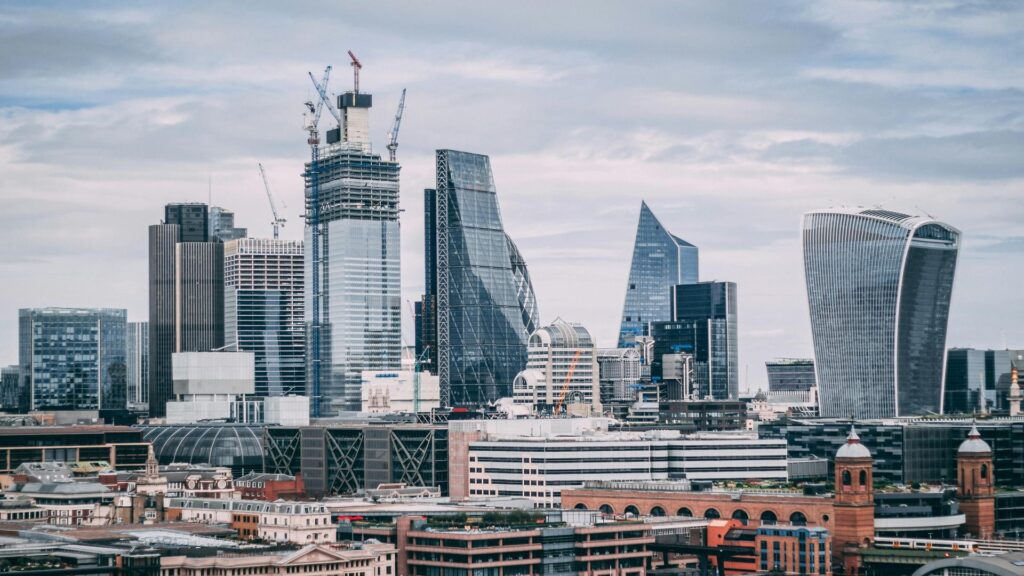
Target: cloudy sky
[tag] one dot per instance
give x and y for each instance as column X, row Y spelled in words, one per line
column 730, row 118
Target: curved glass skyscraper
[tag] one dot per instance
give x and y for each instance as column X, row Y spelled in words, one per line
column 660, row 261
column 878, row 287
column 478, row 284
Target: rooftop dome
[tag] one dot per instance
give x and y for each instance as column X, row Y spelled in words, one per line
column 853, row 448
column 974, row 444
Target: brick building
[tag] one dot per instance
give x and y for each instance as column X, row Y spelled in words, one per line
column 270, row 487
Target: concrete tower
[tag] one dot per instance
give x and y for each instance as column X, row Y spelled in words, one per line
column 1014, row 397
column 976, row 485
column 854, row 502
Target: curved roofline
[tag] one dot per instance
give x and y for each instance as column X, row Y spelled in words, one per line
column 911, row 223
column 981, row 563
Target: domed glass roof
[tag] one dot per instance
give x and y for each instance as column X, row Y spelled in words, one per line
column 234, row 446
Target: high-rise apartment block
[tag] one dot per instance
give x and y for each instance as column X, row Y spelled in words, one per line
column 660, row 261
column 186, row 293
column 73, row 358
column 360, row 296
column 878, row 287
column 561, row 372
column 479, row 307
column 137, row 352
column 263, row 311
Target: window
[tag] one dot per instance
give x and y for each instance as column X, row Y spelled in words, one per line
column 847, row 478
column 984, row 471
column 863, row 478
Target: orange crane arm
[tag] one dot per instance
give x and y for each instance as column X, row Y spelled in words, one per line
column 568, row 378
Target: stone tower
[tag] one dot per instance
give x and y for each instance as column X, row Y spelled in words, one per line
column 854, row 502
column 975, row 486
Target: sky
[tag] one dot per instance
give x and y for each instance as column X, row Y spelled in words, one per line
column 731, row 119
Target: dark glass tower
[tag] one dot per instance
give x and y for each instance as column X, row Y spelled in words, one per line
column 706, row 312
column 660, row 261
column 74, row 358
column 878, row 288
column 790, row 375
column 485, row 305
column 360, row 296
column 186, row 294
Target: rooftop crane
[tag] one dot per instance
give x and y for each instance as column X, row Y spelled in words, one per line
column 313, row 221
column 325, row 99
column 393, row 133
column 278, row 221
column 559, row 406
column 356, row 67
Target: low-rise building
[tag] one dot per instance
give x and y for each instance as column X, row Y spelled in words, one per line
column 269, row 487
column 294, row 522
column 70, row 503
column 22, row 510
column 409, row 391
column 311, row 560
column 772, row 548
column 121, row 446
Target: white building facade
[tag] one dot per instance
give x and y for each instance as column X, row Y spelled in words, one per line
column 562, row 373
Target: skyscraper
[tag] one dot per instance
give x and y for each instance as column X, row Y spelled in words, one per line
column 478, row 283
column 222, row 225
column 561, row 371
column 660, row 261
column 263, row 311
column 186, row 294
column 137, row 352
column 704, row 325
column 878, row 288
column 360, row 294
column 976, row 380
column 73, row 358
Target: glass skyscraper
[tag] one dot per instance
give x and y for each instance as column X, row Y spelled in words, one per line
column 878, row 288
column 360, row 292
column 74, row 358
column 263, row 311
column 707, row 310
column 976, row 380
column 477, row 283
column 660, row 261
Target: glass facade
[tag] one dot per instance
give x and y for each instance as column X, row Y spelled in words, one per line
column 707, row 312
column 660, row 261
column 878, row 288
column 485, row 303
column 137, row 351
column 973, row 375
column 360, row 304
column 237, row 447
column 74, row 358
column 263, row 311
column 790, row 375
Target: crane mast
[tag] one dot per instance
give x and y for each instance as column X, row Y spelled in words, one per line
column 278, row 221
column 393, row 133
column 356, row 67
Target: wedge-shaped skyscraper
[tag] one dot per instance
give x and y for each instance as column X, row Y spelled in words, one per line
column 479, row 308
column 660, row 261
column 878, row 287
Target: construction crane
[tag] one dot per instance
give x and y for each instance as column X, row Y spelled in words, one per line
column 325, row 98
column 313, row 221
column 393, row 133
column 356, row 67
column 278, row 222
column 568, row 378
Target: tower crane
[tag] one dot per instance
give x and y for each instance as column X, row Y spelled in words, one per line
column 393, row 133
column 559, row 407
column 356, row 67
column 278, row 221
column 313, row 221
column 325, row 99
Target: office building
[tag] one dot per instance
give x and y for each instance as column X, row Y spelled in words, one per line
column 555, row 463
column 186, row 293
column 790, row 377
column 349, row 458
column 137, row 351
column 773, row 548
column 878, row 287
column 977, row 381
column 74, row 358
column 561, row 372
column 619, row 372
column 707, row 313
column 14, row 392
column 479, row 294
column 660, row 261
column 120, row 446
column 360, row 294
column 263, row 311
column 222, row 225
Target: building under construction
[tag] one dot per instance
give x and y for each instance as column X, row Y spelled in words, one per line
column 357, row 293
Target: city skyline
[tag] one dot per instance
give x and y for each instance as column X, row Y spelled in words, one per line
column 875, row 105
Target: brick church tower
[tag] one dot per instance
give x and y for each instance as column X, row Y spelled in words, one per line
column 975, row 487
column 854, row 502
